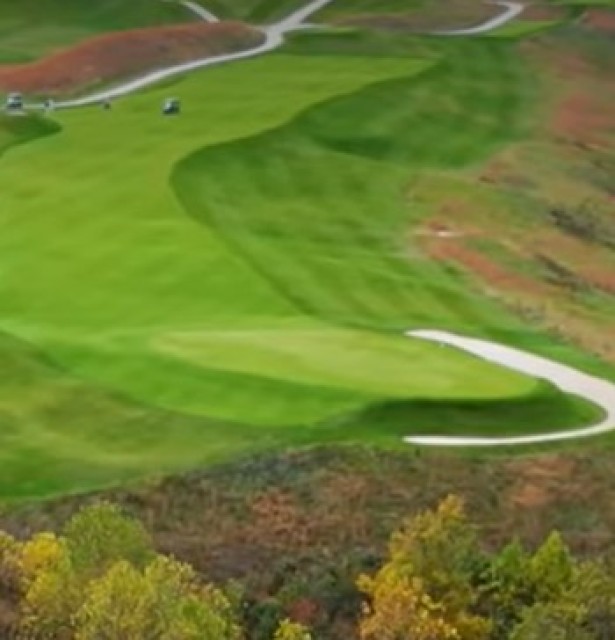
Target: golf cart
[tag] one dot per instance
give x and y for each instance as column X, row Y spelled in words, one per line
column 171, row 106
column 14, row 102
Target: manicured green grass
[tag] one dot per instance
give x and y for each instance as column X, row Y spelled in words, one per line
column 32, row 28
column 352, row 260
column 344, row 358
column 348, row 258
column 271, row 314
column 98, row 307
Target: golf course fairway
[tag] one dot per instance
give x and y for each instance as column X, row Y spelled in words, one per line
column 177, row 290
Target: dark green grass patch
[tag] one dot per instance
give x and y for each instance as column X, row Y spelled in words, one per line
column 314, row 219
column 18, row 129
column 541, row 412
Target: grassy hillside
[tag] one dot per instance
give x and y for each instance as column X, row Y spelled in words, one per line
column 109, row 277
column 178, row 290
column 32, row 28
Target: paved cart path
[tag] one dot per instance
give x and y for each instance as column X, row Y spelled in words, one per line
column 600, row 392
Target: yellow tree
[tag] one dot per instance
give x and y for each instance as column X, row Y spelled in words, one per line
column 55, row 571
column 289, row 630
column 399, row 609
column 424, row 590
column 51, row 589
column 10, row 584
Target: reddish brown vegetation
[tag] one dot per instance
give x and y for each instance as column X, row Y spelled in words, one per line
column 601, row 279
column 601, row 19
column 296, row 528
column 123, row 54
column 584, row 118
column 215, row 520
column 542, row 12
column 489, row 271
column 558, row 255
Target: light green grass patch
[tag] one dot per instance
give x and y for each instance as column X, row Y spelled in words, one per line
column 372, row 363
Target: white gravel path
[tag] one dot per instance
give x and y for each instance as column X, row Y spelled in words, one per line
column 600, row 392
column 511, row 11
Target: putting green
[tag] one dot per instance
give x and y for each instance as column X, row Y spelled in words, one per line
column 363, row 361
column 261, row 311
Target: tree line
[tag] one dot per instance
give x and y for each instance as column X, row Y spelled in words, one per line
column 100, row 578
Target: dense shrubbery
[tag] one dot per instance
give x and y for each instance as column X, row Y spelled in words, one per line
column 102, row 579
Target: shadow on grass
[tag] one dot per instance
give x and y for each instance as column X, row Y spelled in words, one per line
column 545, row 410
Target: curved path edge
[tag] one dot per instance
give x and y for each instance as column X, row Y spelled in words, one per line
column 511, row 10
column 200, row 11
column 597, row 390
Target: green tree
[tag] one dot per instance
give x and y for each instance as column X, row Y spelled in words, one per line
column 552, row 621
column 551, row 569
column 506, row 589
column 100, row 535
column 584, row 609
column 163, row 602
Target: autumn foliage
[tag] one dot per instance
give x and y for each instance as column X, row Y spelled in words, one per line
column 101, row 578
